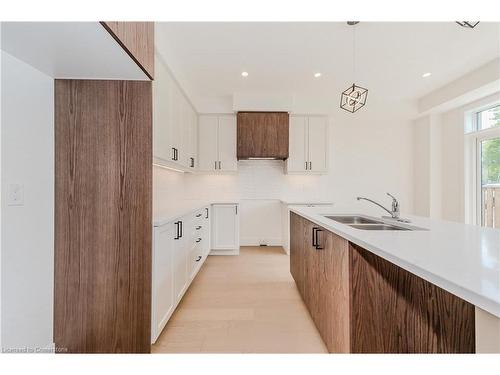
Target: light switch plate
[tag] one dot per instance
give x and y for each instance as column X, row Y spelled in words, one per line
column 15, row 195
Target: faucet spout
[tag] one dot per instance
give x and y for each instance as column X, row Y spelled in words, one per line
column 378, row 204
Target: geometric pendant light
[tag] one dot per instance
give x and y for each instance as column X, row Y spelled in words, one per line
column 468, row 24
column 354, row 97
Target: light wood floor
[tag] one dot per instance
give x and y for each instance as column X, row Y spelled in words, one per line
column 242, row 304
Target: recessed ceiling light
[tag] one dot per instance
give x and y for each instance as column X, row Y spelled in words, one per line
column 317, row 75
column 244, row 74
column 425, row 75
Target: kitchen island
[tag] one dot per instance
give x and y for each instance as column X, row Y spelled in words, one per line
column 402, row 291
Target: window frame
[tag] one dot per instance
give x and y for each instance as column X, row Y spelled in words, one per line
column 475, row 122
column 473, row 176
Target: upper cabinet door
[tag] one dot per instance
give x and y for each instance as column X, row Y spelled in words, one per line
column 137, row 39
column 184, row 131
column 176, row 121
column 318, row 143
column 207, row 144
column 162, row 115
column 193, row 139
column 298, row 157
column 227, row 143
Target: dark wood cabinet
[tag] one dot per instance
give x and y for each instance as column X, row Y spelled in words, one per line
column 137, row 39
column 103, row 203
column 361, row 303
column 319, row 265
column 262, row 135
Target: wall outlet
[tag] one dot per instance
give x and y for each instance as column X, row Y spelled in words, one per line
column 15, row 195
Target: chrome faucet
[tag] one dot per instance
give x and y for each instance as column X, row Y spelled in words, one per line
column 394, row 211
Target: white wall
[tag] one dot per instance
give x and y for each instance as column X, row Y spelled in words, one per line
column 440, row 157
column 427, row 148
column 27, row 259
column 370, row 154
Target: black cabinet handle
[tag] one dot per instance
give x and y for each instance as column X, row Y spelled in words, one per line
column 206, row 209
column 215, row 164
column 314, row 236
column 192, row 162
column 199, row 258
column 198, row 227
column 198, row 240
column 181, row 229
column 176, row 230
column 219, row 165
column 198, row 215
column 310, row 165
column 306, row 165
column 173, row 153
column 318, row 246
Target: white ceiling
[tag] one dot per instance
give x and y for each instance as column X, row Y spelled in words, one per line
column 208, row 58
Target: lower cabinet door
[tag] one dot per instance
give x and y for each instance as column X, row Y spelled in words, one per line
column 205, row 243
column 180, row 264
column 225, row 227
column 163, row 291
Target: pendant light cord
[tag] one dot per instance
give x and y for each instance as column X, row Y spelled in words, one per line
column 354, row 54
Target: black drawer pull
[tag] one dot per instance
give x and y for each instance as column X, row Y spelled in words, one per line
column 198, row 215
column 198, row 227
column 198, row 240
column 199, row 258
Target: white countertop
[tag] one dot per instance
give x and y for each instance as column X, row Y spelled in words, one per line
column 184, row 208
column 462, row 259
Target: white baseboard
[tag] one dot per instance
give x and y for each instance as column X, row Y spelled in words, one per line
column 225, row 252
column 254, row 241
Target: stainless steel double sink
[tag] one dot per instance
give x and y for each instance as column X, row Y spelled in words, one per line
column 369, row 223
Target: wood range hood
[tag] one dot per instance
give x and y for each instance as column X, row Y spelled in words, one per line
column 262, row 135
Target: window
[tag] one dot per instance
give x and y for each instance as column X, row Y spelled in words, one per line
column 484, row 146
column 488, row 118
column 489, row 167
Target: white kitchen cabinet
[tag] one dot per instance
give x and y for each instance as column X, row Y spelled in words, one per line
column 180, row 248
column 180, row 271
column 308, row 153
column 227, row 143
column 297, row 154
column 192, row 139
column 163, row 288
column 217, row 143
column 207, row 143
column 174, row 122
column 318, row 143
column 205, row 232
column 162, row 113
column 225, row 235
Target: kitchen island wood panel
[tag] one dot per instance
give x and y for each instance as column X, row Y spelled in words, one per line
column 414, row 315
column 362, row 303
